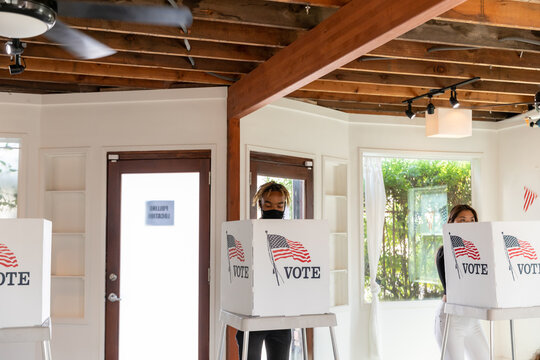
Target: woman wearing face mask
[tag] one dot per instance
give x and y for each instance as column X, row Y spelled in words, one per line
column 272, row 199
column 465, row 335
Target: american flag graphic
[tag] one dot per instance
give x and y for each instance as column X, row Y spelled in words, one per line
column 516, row 247
column 7, row 257
column 235, row 248
column 464, row 248
column 528, row 198
column 283, row 248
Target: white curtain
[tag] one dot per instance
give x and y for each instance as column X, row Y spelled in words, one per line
column 375, row 199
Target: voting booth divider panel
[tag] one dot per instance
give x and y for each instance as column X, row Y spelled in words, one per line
column 275, row 267
column 25, row 272
column 493, row 264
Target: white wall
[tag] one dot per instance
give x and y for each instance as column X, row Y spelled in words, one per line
column 519, row 166
column 101, row 122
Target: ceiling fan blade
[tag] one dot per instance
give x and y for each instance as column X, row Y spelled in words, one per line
column 144, row 14
column 77, row 43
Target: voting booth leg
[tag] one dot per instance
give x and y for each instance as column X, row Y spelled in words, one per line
column 445, row 335
column 512, row 340
column 491, row 342
column 46, row 348
column 245, row 345
column 222, row 340
column 334, row 343
column 304, row 344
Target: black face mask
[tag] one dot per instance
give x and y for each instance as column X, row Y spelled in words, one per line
column 272, row 214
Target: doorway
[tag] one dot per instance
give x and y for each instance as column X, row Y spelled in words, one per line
column 158, row 255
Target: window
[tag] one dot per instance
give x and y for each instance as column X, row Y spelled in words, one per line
column 419, row 195
column 9, row 171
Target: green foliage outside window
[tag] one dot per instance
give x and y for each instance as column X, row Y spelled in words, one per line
column 407, row 252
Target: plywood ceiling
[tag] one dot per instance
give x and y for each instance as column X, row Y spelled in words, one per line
column 496, row 40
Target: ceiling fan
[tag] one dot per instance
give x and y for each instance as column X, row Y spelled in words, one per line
column 20, row 19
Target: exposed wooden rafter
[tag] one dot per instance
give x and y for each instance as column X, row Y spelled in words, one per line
column 354, row 30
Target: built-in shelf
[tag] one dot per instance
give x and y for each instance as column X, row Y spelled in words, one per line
column 64, row 203
column 335, row 211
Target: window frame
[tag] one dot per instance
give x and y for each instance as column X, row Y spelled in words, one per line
column 21, row 171
column 474, row 157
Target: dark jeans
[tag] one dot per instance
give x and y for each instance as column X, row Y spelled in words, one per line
column 278, row 343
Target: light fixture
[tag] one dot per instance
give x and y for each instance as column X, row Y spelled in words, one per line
column 18, row 67
column 15, row 47
column 410, row 114
column 453, row 99
column 430, row 108
column 26, row 18
column 449, row 123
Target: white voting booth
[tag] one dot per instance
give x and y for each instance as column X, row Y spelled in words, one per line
column 492, row 271
column 493, row 264
column 25, row 281
column 275, row 275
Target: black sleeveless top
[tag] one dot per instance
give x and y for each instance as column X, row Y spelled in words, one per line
column 439, row 261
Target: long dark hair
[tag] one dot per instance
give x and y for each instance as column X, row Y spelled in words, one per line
column 459, row 208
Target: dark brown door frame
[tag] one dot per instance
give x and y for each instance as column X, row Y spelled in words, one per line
column 157, row 162
column 280, row 166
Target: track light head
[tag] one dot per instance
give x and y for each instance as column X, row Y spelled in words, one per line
column 410, row 114
column 453, row 99
column 18, row 67
column 430, row 108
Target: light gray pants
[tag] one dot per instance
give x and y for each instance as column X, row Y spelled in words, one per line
column 465, row 337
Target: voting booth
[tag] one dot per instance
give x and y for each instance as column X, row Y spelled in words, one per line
column 492, row 264
column 25, row 272
column 275, row 267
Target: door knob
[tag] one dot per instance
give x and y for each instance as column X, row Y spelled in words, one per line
column 113, row 297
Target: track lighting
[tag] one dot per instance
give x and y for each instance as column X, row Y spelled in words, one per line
column 18, row 67
column 453, row 99
column 430, row 108
column 410, row 114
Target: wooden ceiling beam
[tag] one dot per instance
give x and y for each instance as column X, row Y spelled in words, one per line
column 429, row 82
column 167, row 46
column 434, row 31
column 231, row 33
column 99, row 81
column 333, row 43
column 145, row 60
column 520, row 14
column 472, row 35
column 128, row 72
column 44, row 88
column 445, row 70
column 399, row 49
column 409, row 92
column 254, row 12
column 383, row 100
column 505, row 13
column 248, row 12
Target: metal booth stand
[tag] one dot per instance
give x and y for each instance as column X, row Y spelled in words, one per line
column 30, row 334
column 489, row 315
column 257, row 323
